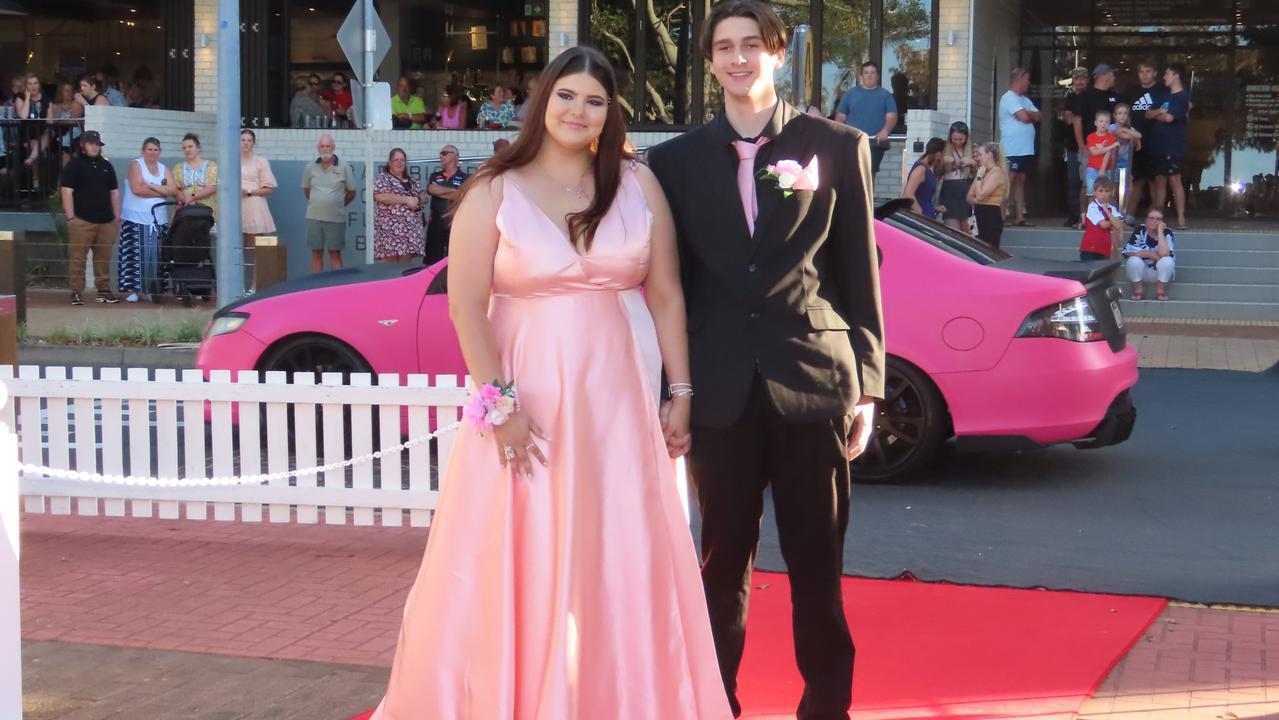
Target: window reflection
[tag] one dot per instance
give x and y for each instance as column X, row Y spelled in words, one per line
column 612, row 27
column 845, row 45
column 670, row 52
column 908, row 35
column 1254, row 162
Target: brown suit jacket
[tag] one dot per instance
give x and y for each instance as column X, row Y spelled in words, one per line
column 798, row 302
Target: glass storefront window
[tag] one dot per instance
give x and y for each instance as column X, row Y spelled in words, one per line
column 1254, row 161
column 612, row 26
column 473, row 46
column 670, row 52
column 908, row 52
column 62, row 41
column 907, row 34
column 792, row 15
column 1231, row 53
column 845, row 46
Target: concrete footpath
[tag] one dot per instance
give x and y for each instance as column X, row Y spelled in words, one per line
column 163, row 619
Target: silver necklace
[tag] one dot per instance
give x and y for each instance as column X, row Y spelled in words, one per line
column 578, row 192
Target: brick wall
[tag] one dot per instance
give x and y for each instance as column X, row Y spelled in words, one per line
column 123, row 130
column 995, row 26
column 562, row 26
column 924, row 124
column 952, row 60
column 206, row 59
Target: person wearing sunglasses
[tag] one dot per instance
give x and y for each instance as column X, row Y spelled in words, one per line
column 338, row 96
column 442, row 186
column 307, row 108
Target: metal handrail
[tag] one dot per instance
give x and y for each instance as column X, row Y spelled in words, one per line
column 28, row 186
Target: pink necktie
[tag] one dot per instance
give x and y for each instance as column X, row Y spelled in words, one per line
column 746, row 152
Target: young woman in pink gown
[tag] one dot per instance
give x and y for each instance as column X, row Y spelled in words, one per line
column 560, row 580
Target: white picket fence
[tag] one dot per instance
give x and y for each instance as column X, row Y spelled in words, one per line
column 170, row 426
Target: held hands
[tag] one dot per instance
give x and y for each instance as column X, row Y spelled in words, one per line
column 518, row 434
column 859, row 433
column 675, row 416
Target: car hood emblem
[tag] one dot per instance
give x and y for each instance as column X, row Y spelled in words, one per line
column 387, row 323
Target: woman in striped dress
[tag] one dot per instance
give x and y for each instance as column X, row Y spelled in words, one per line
column 149, row 184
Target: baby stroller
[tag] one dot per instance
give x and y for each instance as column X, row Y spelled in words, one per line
column 186, row 253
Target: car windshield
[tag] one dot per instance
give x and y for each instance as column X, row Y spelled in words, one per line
column 945, row 238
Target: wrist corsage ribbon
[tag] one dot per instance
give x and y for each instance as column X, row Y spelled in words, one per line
column 490, row 405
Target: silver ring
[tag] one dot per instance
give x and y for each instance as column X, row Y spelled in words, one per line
column 509, row 452
column 530, row 445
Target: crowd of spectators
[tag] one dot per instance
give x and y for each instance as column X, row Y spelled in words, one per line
column 497, row 106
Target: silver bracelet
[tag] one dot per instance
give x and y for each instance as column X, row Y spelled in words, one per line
column 678, row 386
column 682, row 392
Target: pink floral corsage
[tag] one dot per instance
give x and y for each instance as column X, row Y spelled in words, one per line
column 490, row 405
column 790, row 176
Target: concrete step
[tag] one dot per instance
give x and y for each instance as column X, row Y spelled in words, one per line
column 1187, row 274
column 1225, row 292
column 1214, row 274
column 1195, row 309
column 1200, row 257
column 1055, row 237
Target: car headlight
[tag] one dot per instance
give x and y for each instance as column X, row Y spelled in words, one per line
column 1070, row 320
column 228, row 323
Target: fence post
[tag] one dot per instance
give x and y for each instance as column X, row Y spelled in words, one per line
column 13, row 268
column 10, row 597
column 8, row 330
column 270, row 261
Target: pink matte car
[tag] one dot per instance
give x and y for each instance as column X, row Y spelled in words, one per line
column 995, row 351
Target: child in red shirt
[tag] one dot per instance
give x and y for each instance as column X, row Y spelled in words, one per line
column 1101, row 223
column 1102, row 152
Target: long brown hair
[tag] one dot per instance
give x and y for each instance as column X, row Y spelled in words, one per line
column 611, row 148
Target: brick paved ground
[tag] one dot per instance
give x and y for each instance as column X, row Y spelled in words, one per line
column 237, row 621
column 1204, row 353
column 1196, row 663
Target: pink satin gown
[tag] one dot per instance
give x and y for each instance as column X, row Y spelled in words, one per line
column 573, row 595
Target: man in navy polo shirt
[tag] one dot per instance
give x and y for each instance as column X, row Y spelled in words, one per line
column 442, row 186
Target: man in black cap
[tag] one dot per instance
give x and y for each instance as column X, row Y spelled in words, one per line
column 1075, row 159
column 1100, row 97
column 91, row 202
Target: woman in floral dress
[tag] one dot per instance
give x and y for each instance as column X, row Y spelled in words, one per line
column 397, row 223
column 197, row 178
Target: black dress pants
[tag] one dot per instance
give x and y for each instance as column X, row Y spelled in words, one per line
column 437, row 241
column 806, row 466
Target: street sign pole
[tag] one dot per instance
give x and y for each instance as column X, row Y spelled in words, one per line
column 365, row 42
column 369, row 35
column 230, row 247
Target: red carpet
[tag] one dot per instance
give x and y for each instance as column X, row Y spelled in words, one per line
column 934, row 650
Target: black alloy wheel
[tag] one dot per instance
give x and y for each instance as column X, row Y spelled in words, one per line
column 315, row 354
column 910, row 424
